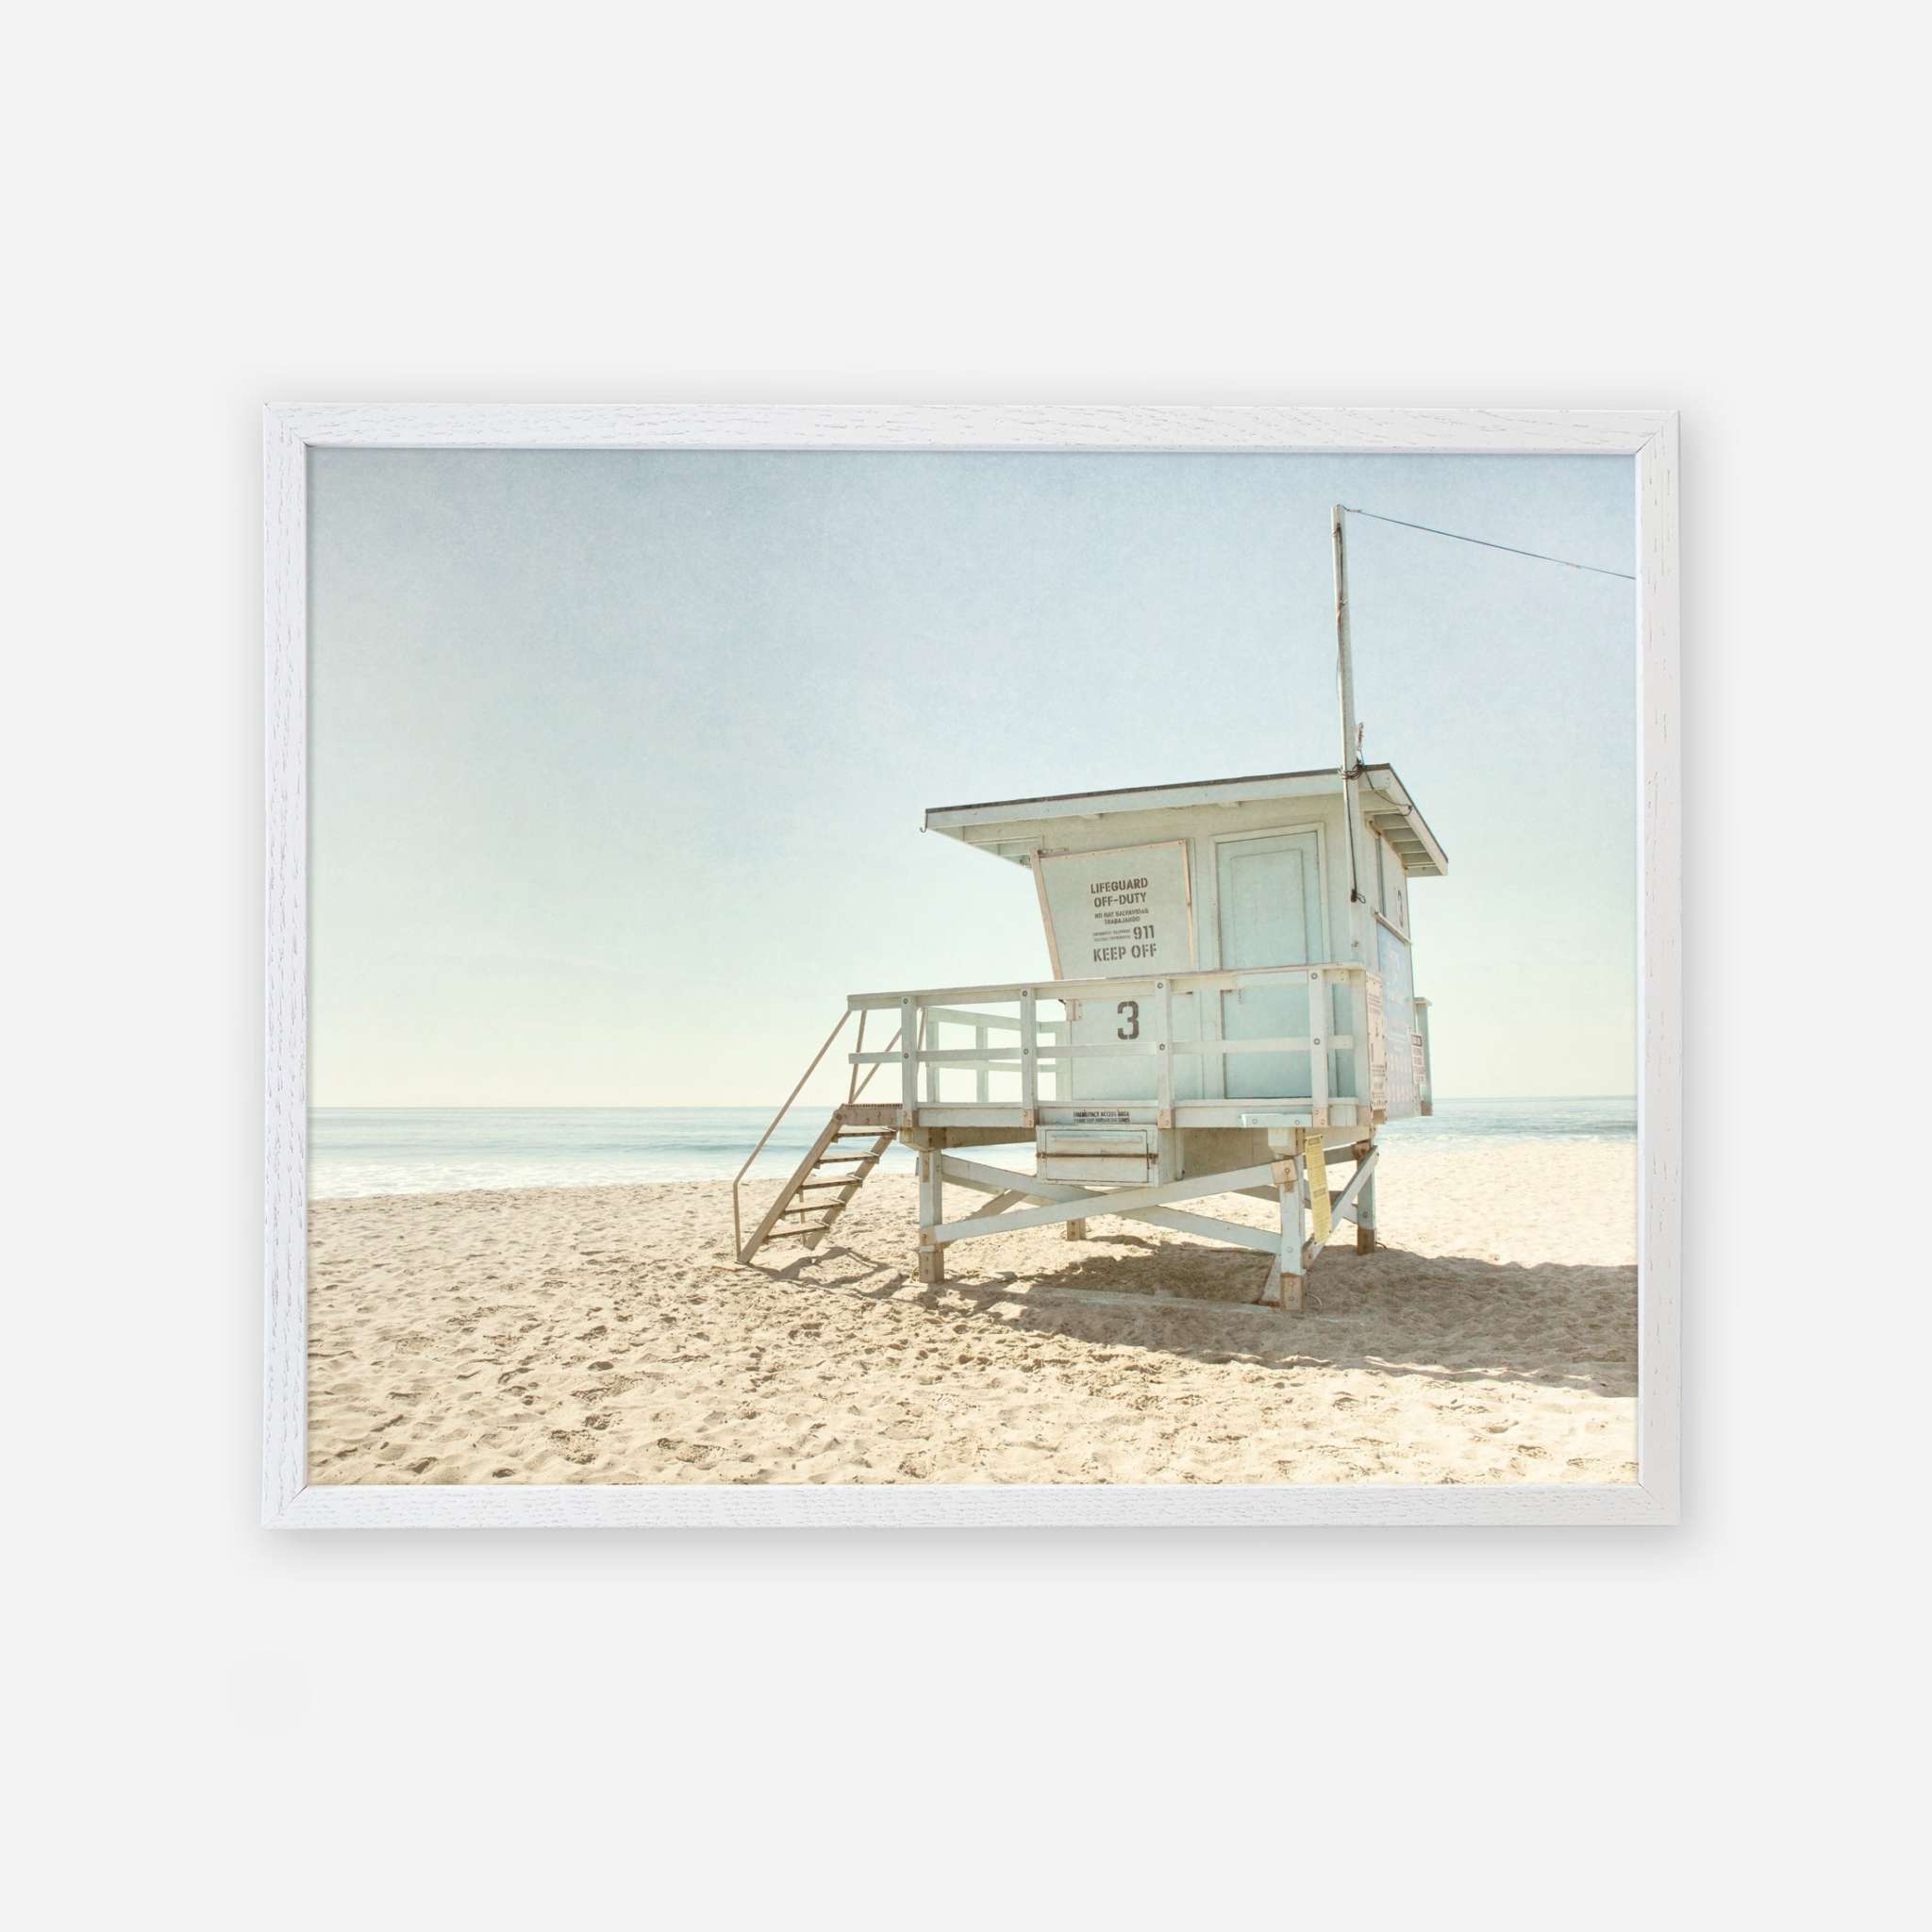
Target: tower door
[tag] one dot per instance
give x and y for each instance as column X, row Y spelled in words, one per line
column 1270, row 893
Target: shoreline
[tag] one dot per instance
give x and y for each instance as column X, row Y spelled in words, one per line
column 419, row 1151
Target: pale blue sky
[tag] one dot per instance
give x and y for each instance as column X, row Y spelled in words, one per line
column 619, row 759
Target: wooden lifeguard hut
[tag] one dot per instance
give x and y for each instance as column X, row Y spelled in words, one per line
column 1231, row 1010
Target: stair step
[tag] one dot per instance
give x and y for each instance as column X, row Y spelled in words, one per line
column 858, row 1168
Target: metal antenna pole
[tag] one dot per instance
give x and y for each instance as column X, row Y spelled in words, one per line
column 1344, row 659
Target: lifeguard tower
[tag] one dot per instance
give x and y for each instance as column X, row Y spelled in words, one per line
column 1231, row 1010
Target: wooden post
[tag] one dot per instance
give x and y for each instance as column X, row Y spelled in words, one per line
column 1293, row 1281
column 1288, row 1270
column 909, row 1063
column 1365, row 1216
column 1319, row 1012
column 1359, row 1077
column 1029, row 1056
column 932, row 1210
column 982, row 1074
column 1163, row 1024
column 1076, row 1231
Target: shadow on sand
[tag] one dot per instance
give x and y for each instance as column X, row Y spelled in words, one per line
column 1449, row 1317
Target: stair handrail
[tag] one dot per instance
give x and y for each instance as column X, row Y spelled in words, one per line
column 737, row 1226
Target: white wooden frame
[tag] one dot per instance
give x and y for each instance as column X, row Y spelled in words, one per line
column 1650, row 436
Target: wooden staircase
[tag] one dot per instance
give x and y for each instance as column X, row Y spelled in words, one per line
column 823, row 1184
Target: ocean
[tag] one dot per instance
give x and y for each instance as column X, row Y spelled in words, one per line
column 425, row 1150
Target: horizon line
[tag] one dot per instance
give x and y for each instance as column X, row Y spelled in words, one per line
column 668, row 1106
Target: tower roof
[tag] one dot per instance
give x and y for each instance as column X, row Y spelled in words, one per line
column 1011, row 827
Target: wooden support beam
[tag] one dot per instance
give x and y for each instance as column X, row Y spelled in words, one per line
column 986, row 1180
column 1235, row 1234
column 932, row 1257
column 1124, row 1201
column 991, row 1180
column 1063, row 1202
column 1346, row 1203
column 1288, row 1278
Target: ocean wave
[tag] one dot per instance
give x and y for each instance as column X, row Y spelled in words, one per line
column 363, row 1150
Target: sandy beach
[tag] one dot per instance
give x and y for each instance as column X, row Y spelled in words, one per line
column 607, row 1335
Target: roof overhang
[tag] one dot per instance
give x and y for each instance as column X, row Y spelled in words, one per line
column 1002, row 825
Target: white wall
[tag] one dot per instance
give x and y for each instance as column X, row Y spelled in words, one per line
column 1200, row 827
column 1518, row 206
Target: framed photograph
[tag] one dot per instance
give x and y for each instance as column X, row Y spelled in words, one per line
column 684, row 1109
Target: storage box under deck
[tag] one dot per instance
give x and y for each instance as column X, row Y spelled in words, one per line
column 1125, row 1156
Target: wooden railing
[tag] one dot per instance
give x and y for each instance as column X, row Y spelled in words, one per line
column 1027, row 1042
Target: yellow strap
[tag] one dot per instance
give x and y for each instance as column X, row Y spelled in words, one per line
column 1307, row 1141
